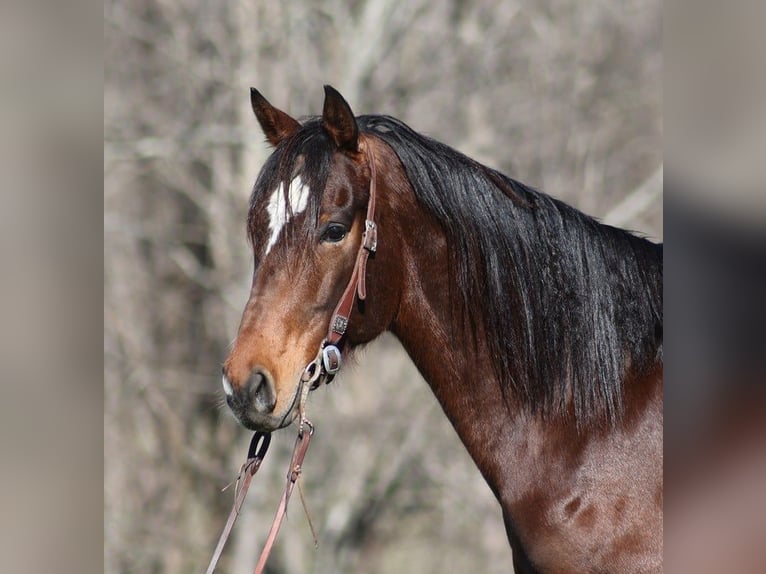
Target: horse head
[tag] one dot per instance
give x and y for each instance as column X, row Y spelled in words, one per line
column 306, row 223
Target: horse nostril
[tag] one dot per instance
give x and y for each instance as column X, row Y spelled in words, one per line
column 260, row 390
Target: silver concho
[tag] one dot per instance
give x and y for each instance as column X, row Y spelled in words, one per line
column 340, row 324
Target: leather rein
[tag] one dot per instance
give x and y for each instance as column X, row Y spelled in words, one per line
column 319, row 371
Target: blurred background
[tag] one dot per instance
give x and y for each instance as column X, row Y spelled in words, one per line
column 560, row 94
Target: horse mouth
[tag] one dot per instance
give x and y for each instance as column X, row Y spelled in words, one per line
column 254, row 420
column 265, row 423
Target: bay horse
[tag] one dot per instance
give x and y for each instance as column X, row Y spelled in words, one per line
column 538, row 328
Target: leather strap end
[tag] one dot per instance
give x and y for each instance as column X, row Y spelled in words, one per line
column 361, row 286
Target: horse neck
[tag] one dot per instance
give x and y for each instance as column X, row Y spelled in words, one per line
column 458, row 371
column 506, row 442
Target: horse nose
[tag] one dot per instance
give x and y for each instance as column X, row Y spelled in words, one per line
column 259, row 391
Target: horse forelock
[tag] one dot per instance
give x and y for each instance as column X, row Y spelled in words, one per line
column 290, row 183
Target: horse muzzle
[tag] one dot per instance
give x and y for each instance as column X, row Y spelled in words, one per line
column 254, row 402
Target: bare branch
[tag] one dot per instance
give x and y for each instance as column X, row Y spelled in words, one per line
column 637, row 201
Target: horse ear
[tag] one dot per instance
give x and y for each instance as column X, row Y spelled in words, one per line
column 276, row 124
column 338, row 120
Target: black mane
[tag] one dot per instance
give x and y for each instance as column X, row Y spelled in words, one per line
column 568, row 304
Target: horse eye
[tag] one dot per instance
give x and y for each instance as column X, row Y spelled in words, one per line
column 334, row 233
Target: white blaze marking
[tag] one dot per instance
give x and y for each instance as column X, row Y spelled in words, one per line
column 279, row 215
column 227, row 386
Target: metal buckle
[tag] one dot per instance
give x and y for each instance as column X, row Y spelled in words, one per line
column 331, row 359
column 370, row 236
column 259, row 452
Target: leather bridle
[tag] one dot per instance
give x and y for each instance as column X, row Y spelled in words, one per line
column 320, row 371
column 328, row 359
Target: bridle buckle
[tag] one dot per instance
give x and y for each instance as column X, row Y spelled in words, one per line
column 370, row 236
column 331, row 359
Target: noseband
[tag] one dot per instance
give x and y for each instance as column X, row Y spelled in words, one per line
column 320, row 371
